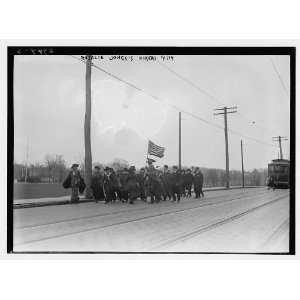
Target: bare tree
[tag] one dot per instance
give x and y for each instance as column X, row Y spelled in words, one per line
column 50, row 163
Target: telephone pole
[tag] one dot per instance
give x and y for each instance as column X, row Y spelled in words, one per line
column 279, row 139
column 242, row 157
column 26, row 166
column 226, row 110
column 87, row 129
column 179, row 142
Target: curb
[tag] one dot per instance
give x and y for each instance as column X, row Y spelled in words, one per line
column 65, row 202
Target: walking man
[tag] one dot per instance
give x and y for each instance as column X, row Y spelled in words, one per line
column 97, row 184
column 176, row 184
column 198, row 183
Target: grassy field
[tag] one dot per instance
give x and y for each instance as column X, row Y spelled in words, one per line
column 39, row 190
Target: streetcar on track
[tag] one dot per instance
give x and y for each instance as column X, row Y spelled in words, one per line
column 279, row 173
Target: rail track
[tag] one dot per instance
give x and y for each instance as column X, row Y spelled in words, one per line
column 164, row 204
column 213, row 225
column 176, row 210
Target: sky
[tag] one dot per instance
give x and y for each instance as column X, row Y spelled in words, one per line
column 49, row 109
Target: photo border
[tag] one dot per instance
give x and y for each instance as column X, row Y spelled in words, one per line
column 145, row 50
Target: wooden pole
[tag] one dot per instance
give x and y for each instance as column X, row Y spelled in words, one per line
column 87, row 130
column 242, row 157
column 179, row 150
column 226, row 147
column 225, row 110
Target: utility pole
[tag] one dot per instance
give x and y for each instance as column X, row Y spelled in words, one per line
column 179, row 141
column 87, row 129
column 226, row 110
column 242, row 157
column 279, row 139
column 26, row 166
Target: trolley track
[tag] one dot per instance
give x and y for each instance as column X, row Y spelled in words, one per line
column 212, row 225
column 143, row 218
column 162, row 205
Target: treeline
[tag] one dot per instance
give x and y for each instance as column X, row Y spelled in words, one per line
column 217, row 177
column 55, row 169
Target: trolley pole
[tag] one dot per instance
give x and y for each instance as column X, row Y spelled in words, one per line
column 279, row 139
column 179, row 143
column 242, row 157
column 226, row 110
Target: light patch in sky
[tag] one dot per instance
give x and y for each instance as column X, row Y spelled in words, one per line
column 115, row 108
column 49, row 107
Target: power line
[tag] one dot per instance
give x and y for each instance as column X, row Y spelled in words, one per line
column 169, row 104
column 278, row 74
column 215, row 99
column 191, row 83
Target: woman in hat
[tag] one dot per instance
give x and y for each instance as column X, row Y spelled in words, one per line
column 75, row 180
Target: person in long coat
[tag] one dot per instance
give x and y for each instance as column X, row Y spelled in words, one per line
column 166, row 181
column 189, row 178
column 153, row 185
column 141, row 176
column 109, row 185
column 97, row 184
column 75, row 182
column 176, row 184
column 198, row 183
column 133, row 185
column 123, row 191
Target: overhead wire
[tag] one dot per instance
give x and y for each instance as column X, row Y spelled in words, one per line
column 279, row 76
column 169, row 104
column 215, row 99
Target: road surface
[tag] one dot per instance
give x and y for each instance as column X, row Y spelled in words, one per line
column 241, row 220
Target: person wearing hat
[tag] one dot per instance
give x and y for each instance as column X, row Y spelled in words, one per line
column 109, row 184
column 97, row 184
column 198, row 183
column 153, row 185
column 75, row 182
column 123, row 192
column 176, row 184
column 141, row 176
column 133, row 186
column 188, row 179
column 166, row 183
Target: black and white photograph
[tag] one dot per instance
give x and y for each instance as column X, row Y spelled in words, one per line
column 151, row 150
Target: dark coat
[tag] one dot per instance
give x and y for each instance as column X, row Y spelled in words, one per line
column 188, row 179
column 176, row 182
column 68, row 182
column 133, row 186
column 109, row 187
column 198, row 180
column 97, row 185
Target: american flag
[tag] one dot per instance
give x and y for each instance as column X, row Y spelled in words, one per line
column 155, row 150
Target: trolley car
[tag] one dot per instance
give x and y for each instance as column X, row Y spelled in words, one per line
column 279, row 173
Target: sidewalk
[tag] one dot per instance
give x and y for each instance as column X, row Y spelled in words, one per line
column 27, row 203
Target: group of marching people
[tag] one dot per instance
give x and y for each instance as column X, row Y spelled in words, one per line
column 127, row 185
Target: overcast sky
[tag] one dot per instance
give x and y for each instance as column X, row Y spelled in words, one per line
column 49, row 107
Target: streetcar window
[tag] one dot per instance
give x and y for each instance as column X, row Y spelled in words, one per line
column 278, row 169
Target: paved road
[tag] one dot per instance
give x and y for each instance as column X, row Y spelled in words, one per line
column 250, row 220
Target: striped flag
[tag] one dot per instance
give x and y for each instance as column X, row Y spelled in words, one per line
column 155, row 150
